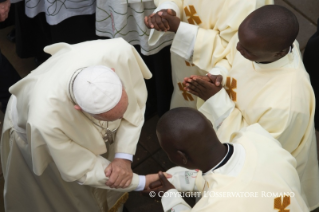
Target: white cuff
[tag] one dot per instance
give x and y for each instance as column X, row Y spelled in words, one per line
column 172, row 199
column 124, row 156
column 156, row 35
column 219, row 70
column 184, row 41
column 217, row 108
column 141, row 183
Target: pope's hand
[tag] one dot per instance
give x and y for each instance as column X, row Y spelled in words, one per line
column 120, row 173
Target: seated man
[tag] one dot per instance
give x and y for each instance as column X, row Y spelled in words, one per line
column 63, row 117
column 267, row 84
column 251, row 174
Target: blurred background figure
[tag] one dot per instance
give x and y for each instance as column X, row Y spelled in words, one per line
column 8, row 75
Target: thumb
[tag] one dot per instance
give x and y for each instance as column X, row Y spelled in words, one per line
column 171, row 12
column 219, row 80
column 163, row 178
column 212, row 77
column 108, row 171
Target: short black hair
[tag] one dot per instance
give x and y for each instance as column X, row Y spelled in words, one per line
column 275, row 23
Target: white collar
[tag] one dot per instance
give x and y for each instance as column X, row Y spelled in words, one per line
column 234, row 164
column 284, row 61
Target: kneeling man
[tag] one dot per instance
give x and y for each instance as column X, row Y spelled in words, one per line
column 252, row 173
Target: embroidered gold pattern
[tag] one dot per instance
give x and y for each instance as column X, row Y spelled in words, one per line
column 280, row 206
column 231, row 84
column 187, row 96
column 191, row 14
column 189, row 64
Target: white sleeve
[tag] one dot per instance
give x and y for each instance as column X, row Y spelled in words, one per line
column 96, row 177
column 220, row 70
column 186, row 180
column 172, row 200
column 141, row 183
column 184, row 41
column 217, row 108
column 156, row 35
column 124, row 156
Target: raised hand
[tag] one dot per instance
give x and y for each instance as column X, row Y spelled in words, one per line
column 202, row 88
column 164, row 20
column 215, row 79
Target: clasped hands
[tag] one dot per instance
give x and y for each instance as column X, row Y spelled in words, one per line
column 164, row 20
column 203, row 86
column 120, row 174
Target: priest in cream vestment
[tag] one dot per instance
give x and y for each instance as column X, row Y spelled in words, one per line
column 51, row 153
column 277, row 95
column 203, row 23
column 253, row 174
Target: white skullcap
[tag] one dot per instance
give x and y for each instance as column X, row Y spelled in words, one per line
column 97, row 89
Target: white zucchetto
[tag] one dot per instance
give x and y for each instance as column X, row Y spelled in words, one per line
column 97, row 89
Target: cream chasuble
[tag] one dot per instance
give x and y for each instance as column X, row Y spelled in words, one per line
column 48, row 148
column 216, row 21
column 256, row 177
column 280, row 98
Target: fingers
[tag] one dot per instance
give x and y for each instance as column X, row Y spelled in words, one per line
column 202, row 83
column 219, row 80
column 159, row 23
column 112, row 180
column 171, row 12
column 195, row 86
column 163, row 179
column 146, row 22
column 108, row 171
column 155, row 184
column 216, row 79
column 167, row 175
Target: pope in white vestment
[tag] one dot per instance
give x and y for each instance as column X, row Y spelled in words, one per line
column 206, row 26
column 280, row 98
column 51, row 154
column 256, row 177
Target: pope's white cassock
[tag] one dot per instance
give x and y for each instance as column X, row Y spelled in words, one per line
column 256, row 178
column 206, row 26
column 51, row 154
column 280, row 98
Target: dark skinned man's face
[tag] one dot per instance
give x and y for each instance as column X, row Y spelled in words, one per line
column 254, row 48
column 173, row 155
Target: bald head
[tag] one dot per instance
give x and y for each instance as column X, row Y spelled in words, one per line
column 269, row 29
column 185, row 131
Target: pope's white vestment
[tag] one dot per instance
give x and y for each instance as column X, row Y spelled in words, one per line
column 280, row 98
column 207, row 27
column 51, row 154
column 255, row 178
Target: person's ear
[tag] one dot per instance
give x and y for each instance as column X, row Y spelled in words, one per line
column 282, row 53
column 182, row 156
column 77, row 107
